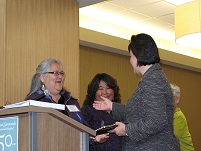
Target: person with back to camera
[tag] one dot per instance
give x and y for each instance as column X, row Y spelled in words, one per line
column 102, row 85
column 49, row 75
column 180, row 123
column 148, row 115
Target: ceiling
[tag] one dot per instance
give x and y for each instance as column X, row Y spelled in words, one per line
column 122, row 18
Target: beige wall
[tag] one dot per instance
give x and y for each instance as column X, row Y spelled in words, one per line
column 93, row 61
column 31, row 31
column 2, row 50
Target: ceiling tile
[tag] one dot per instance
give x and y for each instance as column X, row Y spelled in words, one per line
column 156, row 9
column 155, row 23
column 178, row 2
column 167, row 18
column 132, row 3
column 131, row 15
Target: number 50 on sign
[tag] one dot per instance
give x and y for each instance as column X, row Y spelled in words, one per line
column 9, row 133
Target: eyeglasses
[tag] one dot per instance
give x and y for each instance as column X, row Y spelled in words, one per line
column 56, row 73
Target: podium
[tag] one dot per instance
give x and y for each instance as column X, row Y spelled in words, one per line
column 47, row 129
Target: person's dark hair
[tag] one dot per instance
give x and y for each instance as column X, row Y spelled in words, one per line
column 94, row 85
column 144, row 49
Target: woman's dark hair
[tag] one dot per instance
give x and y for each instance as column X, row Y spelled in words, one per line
column 94, row 86
column 144, row 49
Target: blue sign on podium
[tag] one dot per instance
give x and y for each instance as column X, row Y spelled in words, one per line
column 9, row 133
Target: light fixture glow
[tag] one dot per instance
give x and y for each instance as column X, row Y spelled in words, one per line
column 188, row 24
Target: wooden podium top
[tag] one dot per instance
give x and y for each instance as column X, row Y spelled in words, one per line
column 54, row 113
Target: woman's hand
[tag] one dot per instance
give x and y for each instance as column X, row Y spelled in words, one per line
column 100, row 138
column 106, row 104
column 120, row 130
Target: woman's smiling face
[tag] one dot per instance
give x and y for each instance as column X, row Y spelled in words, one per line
column 53, row 82
column 104, row 91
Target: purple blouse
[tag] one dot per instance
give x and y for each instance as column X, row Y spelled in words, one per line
column 95, row 118
column 65, row 99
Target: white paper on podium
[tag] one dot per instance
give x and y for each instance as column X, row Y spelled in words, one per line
column 36, row 103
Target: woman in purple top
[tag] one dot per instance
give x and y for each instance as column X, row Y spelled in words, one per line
column 50, row 76
column 106, row 86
